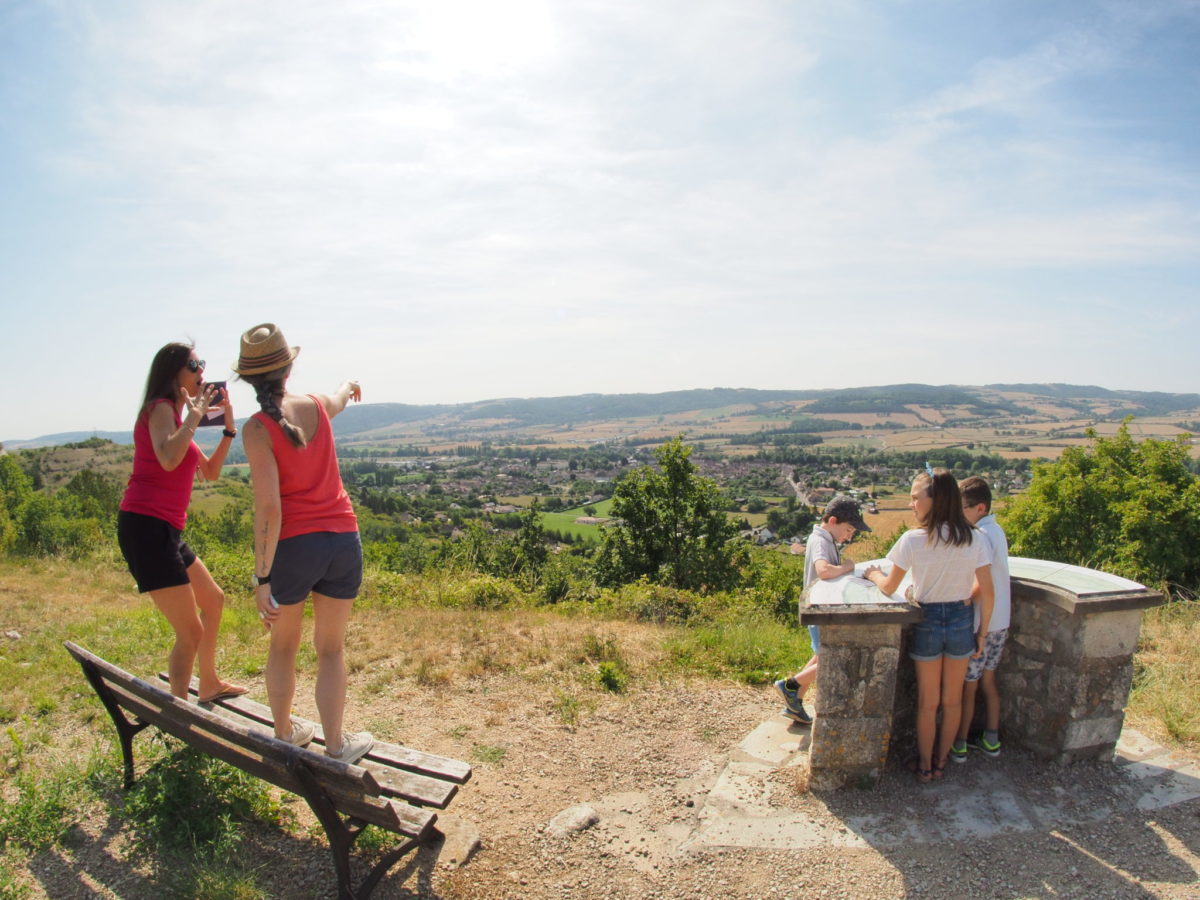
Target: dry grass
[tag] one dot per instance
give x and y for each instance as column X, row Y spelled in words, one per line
column 1165, row 701
column 410, row 638
column 434, row 646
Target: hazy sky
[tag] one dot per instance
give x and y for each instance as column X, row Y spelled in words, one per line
column 455, row 201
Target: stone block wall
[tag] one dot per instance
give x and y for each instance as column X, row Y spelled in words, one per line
column 1066, row 674
column 1064, row 680
column 855, row 695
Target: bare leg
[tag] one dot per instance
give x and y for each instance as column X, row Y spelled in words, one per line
column 968, row 708
column 179, row 606
column 329, row 640
column 953, row 673
column 806, row 676
column 991, row 697
column 211, row 601
column 281, row 666
column 929, row 689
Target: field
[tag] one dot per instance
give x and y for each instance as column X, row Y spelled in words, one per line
column 564, row 522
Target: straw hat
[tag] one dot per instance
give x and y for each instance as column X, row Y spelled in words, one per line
column 264, row 349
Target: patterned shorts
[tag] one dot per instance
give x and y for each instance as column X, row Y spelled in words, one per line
column 993, row 647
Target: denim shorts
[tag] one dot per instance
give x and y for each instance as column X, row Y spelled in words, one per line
column 327, row 562
column 947, row 629
column 814, row 638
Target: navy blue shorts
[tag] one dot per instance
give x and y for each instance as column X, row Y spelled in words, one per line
column 327, row 562
column 154, row 550
column 947, row 629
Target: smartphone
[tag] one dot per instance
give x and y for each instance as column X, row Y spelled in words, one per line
column 216, row 412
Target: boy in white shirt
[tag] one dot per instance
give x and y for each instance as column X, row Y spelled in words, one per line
column 981, row 671
column 822, row 560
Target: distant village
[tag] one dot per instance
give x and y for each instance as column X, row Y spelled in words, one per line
column 776, row 502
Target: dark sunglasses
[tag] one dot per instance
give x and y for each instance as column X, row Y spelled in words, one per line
column 195, row 365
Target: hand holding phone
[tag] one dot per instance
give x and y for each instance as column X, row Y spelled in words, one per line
column 216, row 404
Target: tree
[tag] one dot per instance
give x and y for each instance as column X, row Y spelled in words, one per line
column 529, row 546
column 15, row 485
column 1119, row 505
column 671, row 527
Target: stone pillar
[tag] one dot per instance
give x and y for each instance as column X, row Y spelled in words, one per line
column 856, row 684
column 1068, row 668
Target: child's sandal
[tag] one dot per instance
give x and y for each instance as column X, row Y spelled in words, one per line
column 938, row 770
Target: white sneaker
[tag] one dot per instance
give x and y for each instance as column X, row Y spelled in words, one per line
column 302, row 734
column 354, row 747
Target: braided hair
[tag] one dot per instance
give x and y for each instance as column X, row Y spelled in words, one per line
column 269, row 389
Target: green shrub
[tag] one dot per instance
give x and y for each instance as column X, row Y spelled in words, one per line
column 647, row 602
column 44, row 530
column 612, row 677
column 489, row 592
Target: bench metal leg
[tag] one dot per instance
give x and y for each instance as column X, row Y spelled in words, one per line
column 342, row 835
column 126, row 729
column 381, row 868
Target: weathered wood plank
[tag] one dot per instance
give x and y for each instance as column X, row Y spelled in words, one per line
column 395, row 755
column 239, row 731
column 185, row 720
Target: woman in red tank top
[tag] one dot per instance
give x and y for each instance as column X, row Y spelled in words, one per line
column 305, row 537
column 154, row 511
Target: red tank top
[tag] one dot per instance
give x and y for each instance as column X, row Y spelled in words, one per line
column 311, row 495
column 152, row 490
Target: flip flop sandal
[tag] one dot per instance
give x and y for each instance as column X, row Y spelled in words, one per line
column 226, row 692
column 937, row 770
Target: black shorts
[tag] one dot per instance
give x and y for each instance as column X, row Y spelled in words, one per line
column 154, row 551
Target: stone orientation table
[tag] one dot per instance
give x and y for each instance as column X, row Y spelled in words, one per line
column 1064, row 680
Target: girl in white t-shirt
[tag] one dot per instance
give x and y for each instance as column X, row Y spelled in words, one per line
column 947, row 557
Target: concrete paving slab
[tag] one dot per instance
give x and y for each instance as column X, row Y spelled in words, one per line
column 1135, row 746
column 774, row 742
column 748, row 805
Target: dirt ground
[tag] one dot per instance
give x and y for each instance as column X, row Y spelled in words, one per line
column 645, row 760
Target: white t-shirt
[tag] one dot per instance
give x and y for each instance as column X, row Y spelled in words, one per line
column 998, row 542
column 941, row 572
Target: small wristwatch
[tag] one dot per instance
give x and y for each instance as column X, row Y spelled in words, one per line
column 258, row 580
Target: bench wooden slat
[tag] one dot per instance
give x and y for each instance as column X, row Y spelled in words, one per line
column 400, row 817
column 395, row 755
column 348, row 794
column 239, row 731
column 185, row 719
column 415, row 788
column 420, row 789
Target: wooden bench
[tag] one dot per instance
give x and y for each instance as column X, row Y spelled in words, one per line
column 393, row 787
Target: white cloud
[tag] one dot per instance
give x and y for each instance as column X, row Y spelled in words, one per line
column 544, row 176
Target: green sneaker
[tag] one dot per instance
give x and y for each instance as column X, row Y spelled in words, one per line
column 984, row 746
column 958, row 751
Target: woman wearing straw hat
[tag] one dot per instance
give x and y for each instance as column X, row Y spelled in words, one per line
column 153, row 513
column 305, row 536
